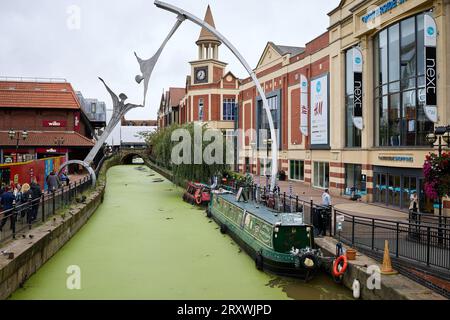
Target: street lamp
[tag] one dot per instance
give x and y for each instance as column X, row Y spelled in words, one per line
column 440, row 134
column 17, row 135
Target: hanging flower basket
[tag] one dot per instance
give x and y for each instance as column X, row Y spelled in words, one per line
column 436, row 170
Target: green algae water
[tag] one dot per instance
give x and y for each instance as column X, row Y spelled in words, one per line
column 144, row 242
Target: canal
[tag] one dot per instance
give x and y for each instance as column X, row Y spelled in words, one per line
column 144, row 242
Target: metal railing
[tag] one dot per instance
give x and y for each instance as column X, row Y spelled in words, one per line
column 32, row 212
column 420, row 244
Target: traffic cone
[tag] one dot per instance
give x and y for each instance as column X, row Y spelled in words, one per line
column 386, row 268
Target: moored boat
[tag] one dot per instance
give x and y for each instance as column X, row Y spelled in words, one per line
column 197, row 193
column 279, row 242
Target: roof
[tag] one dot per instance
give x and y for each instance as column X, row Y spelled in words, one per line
column 47, row 138
column 205, row 34
column 176, row 95
column 287, row 49
column 18, row 94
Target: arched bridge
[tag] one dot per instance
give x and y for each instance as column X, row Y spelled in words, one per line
column 127, row 154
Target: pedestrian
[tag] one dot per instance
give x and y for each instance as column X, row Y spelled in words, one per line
column 64, row 179
column 27, row 197
column 8, row 201
column 414, row 207
column 36, row 194
column 326, row 198
column 53, row 181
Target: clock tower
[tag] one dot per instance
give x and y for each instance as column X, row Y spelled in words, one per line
column 207, row 69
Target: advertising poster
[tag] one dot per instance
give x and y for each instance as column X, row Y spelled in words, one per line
column 358, row 88
column 430, row 41
column 304, row 108
column 319, row 112
column 48, row 169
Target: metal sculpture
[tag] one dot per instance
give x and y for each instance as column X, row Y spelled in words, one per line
column 147, row 66
column 120, row 108
column 203, row 24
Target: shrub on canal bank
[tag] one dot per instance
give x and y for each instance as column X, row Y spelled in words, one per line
column 160, row 145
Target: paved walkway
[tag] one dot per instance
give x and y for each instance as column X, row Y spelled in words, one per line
column 306, row 193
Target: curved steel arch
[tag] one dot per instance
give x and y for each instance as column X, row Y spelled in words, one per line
column 82, row 163
column 203, row 24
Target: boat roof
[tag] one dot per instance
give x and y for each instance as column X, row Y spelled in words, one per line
column 264, row 213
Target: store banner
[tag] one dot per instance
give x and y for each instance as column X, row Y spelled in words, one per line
column 304, row 108
column 76, row 124
column 430, row 32
column 319, row 111
column 358, row 88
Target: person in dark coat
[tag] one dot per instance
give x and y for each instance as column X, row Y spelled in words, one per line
column 53, row 181
column 7, row 201
column 36, row 194
column 26, row 202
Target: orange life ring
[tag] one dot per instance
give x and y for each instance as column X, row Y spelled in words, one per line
column 198, row 196
column 336, row 272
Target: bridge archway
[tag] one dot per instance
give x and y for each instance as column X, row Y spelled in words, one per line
column 82, row 163
column 129, row 157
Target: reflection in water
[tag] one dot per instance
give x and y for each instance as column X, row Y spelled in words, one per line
column 144, row 242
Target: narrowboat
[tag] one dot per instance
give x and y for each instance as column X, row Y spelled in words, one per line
column 197, row 193
column 279, row 242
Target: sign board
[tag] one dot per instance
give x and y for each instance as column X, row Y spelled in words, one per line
column 358, row 88
column 339, row 226
column 430, row 32
column 340, row 219
column 54, row 123
column 319, row 112
column 304, row 108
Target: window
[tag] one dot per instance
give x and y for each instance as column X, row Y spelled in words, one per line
column 297, row 170
column 263, row 122
column 353, row 134
column 200, row 109
column 229, row 109
column 321, row 175
column 399, row 85
column 265, row 168
column 354, row 179
column 93, row 107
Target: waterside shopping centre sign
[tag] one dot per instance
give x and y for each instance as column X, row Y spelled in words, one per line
column 382, row 9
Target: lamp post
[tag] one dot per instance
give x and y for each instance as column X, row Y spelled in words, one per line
column 17, row 135
column 440, row 134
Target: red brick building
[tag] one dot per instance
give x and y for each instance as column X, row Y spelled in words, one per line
column 51, row 115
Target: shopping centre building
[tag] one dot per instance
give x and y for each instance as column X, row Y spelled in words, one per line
column 353, row 107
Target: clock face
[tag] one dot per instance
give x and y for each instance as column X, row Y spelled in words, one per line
column 201, row 75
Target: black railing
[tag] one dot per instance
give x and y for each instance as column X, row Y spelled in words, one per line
column 422, row 244
column 26, row 215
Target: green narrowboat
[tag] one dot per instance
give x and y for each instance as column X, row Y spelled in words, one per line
column 280, row 243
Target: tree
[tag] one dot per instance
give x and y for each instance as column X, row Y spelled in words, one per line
column 161, row 146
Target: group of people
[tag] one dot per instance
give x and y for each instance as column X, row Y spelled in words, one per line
column 24, row 197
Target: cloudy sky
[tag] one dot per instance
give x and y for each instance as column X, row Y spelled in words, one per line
column 45, row 38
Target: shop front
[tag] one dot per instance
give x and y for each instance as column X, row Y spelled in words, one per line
column 394, row 186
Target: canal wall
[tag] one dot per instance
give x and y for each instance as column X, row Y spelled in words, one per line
column 392, row 287
column 38, row 245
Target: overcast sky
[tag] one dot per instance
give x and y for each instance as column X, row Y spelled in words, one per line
column 40, row 38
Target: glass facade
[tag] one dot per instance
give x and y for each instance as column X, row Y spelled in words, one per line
column 354, row 179
column 297, row 170
column 229, row 109
column 394, row 187
column 274, row 102
column 352, row 134
column 400, row 85
column 321, row 175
